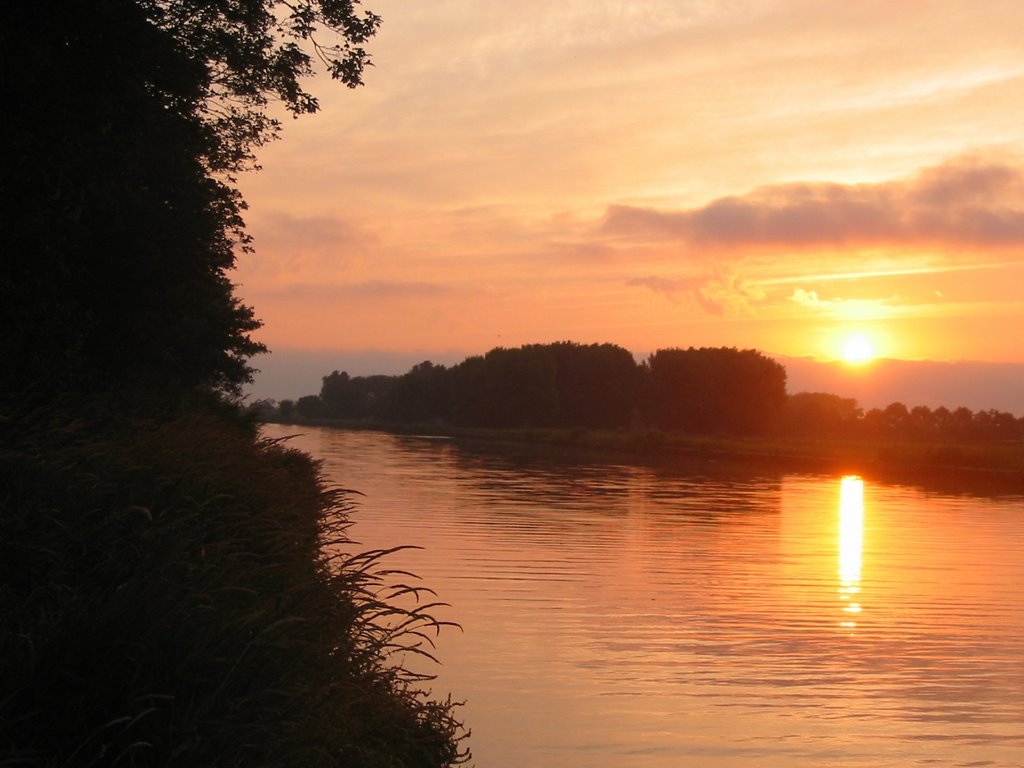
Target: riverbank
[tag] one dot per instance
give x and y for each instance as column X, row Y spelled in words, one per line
column 175, row 589
column 995, row 465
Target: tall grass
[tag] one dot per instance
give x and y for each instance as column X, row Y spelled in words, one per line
column 177, row 591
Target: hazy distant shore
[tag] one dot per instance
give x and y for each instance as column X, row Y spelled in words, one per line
column 996, row 465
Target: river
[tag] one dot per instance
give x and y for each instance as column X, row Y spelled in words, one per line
column 698, row 614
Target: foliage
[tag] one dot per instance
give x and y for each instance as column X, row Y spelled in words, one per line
column 420, row 395
column 506, row 388
column 714, row 390
column 344, row 397
column 597, row 384
column 565, row 384
column 243, row 53
column 175, row 592
column 121, row 222
column 560, row 384
column 703, row 391
column 309, row 407
column 820, row 414
column 921, row 423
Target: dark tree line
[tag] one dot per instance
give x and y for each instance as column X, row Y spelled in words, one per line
column 721, row 391
column 823, row 415
column 927, row 424
column 568, row 385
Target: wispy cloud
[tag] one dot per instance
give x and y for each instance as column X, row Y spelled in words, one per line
column 843, row 308
column 870, row 274
column 376, row 290
column 286, row 243
column 281, row 229
column 720, row 294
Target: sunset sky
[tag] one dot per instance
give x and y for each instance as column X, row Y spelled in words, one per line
column 776, row 174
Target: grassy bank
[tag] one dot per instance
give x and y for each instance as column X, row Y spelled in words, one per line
column 176, row 591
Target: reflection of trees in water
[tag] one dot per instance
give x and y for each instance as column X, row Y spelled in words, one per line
column 950, row 480
column 541, row 482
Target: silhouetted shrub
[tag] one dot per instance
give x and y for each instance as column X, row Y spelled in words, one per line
column 177, row 592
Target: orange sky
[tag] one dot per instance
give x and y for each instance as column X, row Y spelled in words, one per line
column 763, row 173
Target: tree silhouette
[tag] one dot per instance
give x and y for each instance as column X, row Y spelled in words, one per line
column 714, row 390
column 563, row 384
column 422, row 394
column 597, row 384
column 821, row 414
column 506, row 388
column 127, row 122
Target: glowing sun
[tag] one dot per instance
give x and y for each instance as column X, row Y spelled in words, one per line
column 858, row 349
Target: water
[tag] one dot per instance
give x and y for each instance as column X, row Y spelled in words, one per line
column 699, row 616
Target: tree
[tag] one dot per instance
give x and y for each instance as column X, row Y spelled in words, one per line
column 920, row 423
column 821, row 414
column 309, row 407
column 286, row 410
column 154, row 555
column 992, row 424
column 341, row 398
column 422, row 394
column 128, row 122
column 714, row 390
column 597, row 384
column 506, row 388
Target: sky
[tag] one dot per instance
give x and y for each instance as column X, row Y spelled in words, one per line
column 768, row 174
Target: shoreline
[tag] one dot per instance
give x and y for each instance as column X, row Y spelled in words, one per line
column 991, row 466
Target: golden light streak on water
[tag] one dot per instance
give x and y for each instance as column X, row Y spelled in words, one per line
column 851, row 546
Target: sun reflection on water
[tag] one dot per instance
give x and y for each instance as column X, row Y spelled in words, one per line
column 851, row 546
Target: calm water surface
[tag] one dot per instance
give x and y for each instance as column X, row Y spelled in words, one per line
column 633, row 616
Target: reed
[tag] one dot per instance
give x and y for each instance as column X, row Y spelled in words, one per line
column 177, row 591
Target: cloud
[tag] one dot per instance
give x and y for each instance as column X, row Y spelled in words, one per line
column 285, row 243
column 715, row 294
column 670, row 288
column 840, row 307
column 966, row 203
column 807, row 298
column 308, row 232
column 585, row 252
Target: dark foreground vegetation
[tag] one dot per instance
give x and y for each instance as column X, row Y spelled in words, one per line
column 173, row 589
column 719, row 401
column 179, row 592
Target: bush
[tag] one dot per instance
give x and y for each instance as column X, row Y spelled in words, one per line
column 178, row 591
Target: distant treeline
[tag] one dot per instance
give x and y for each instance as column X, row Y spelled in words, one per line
column 719, row 390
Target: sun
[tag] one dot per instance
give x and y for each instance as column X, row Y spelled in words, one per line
column 858, row 349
